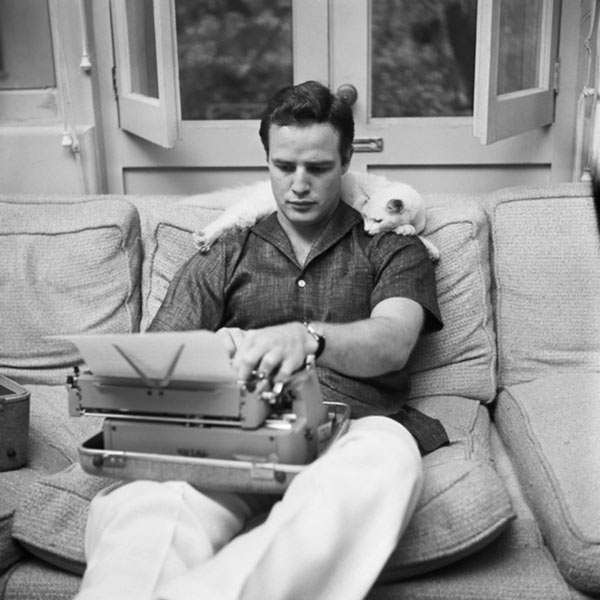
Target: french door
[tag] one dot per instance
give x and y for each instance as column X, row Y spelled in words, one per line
column 408, row 67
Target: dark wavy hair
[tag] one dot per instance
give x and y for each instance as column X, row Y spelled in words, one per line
column 306, row 104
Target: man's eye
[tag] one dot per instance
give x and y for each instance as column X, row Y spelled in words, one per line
column 285, row 167
column 318, row 169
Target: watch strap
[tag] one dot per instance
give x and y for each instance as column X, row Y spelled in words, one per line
column 318, row 338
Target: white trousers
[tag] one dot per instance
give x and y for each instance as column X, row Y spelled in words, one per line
column 327, row 538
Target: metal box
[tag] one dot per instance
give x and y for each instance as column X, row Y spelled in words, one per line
column 14, row 424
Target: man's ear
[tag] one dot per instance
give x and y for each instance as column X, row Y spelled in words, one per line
column 346, row 159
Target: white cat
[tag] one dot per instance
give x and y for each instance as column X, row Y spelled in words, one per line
column 385, row 206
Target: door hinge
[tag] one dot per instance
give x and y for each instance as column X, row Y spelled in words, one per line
column 114, row 82
column 556, row 75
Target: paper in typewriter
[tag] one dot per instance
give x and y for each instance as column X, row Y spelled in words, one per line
column 160, row 356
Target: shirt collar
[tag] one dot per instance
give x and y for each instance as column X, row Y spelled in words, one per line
column 343, row 219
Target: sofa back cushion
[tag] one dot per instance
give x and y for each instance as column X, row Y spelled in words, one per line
column 546, row 281
column 168, row 244
column 69, row 266
column 459, row 360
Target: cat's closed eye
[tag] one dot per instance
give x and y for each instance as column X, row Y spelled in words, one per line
column 371, row 219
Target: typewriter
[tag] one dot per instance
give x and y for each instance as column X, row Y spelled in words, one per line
column 214, row 431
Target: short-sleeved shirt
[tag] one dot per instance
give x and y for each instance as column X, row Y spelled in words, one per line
column 252, row 279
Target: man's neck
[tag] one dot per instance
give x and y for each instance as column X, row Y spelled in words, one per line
column 301, row 238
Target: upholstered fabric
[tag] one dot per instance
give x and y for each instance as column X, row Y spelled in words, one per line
column 547, row 281
column 502, row 572
column 69, row 266
column 33, row 579
column 551, row 428
column 460, row 359
column 54, row 435
column 14, row 485
column 50, row 520
column 168, row 244
column 10, row 552
column 515, row 566
column 464, row 504
column 53, row 441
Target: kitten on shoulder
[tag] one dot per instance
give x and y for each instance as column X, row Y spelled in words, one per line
column 384, row 205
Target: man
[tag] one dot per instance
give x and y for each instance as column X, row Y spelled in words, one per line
column 307, row 280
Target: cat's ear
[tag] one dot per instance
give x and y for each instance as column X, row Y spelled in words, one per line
column 395, row 205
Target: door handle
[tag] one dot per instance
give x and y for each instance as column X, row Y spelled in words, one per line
column 370, row 144
column 348, row 92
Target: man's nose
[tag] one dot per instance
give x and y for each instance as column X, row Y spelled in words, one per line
column 300, row 184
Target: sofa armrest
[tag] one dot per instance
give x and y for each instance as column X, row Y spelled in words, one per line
column 550, row 427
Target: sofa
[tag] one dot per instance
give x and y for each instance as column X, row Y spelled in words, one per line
column 509, row 508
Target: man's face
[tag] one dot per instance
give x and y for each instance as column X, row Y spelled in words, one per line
column 306, row 171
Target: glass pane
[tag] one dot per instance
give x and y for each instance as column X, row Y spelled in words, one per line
column 142, row 48
column 519, row 45
column 422, row 58
column 25, row 65
column 232, row 55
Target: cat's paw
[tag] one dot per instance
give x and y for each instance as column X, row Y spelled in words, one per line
column 405, row 230
column 432, row 249
column 202, row 240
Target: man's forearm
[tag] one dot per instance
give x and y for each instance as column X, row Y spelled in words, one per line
column 369, row 347
column 363, row 348
column 366, row 348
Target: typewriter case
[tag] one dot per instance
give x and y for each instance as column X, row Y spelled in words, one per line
column 216, row 437
column 14, row 424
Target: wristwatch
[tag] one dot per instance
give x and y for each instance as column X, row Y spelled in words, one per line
column 318, row 338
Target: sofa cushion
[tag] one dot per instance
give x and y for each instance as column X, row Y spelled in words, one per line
column 14, row 486
column 33, row 579
column 168, row 244
column 547, row 281
column 461, row 358
column 52, row 447
column 499, row 572
column 464, row 504
column 71, row 266
column 51, row 518
column 550, row 428
column 53, row 435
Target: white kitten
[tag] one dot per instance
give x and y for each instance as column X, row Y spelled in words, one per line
column 385, row 206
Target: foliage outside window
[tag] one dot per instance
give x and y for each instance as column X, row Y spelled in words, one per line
column 232, row 55
column 423, row 57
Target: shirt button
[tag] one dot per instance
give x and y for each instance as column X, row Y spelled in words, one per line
column 301, row 283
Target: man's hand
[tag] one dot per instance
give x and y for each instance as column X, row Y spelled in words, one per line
column 232, row 338
column 276, row 351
